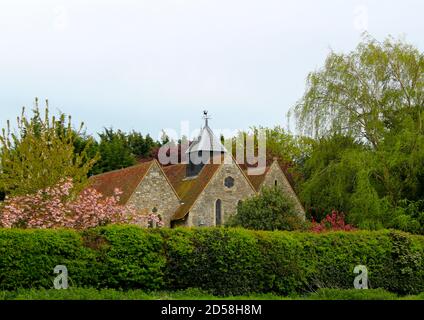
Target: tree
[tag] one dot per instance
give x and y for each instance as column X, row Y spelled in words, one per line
column 366, row 92
column 374, row 97
column 115, row 152
column 164, row 138
column 141, row 147
column 270, row 210
column 41, row 153
column 328, row 182
column 119, row 150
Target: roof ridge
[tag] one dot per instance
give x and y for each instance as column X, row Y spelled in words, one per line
column 122, row 169
column 245, row 176
column 200, row 191
column 167, row 179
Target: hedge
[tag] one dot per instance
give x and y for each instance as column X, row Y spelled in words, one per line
column 222, row 261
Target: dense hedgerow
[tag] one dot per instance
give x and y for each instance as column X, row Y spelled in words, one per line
column 28, row 257
column 222, row 261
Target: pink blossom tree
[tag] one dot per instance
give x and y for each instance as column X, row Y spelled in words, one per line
column 53, row 207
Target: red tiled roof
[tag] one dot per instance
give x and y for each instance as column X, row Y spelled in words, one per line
column 255, row 180
column 188, row 189
column 126, row 180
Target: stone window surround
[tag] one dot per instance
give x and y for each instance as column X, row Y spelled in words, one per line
column 228, row 189
column 222, row 212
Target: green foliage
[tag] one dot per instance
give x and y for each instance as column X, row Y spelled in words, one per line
column 127, row 257
column 114, row 151
column 28, row 257
column 366, row 110
column 41, row 154
column 221, row 261
column 141, row 147
column 407, row 261
column 119, row 150
column 329, row 181
column 270, row 210
column 282, row 144
column 364, row 92
column 290, row 149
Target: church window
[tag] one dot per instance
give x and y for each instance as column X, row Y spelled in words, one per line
column 152, row 224
column 229, row 182
column 275, row 182
column 218, row 212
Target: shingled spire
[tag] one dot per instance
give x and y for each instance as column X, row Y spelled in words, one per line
column 201, row 150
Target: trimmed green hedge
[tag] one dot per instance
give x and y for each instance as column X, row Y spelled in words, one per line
column 223, row 261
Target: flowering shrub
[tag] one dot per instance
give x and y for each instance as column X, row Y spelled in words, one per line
column 332, row 222
column 53, row 207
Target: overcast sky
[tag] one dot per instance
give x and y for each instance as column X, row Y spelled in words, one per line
column 148, row 65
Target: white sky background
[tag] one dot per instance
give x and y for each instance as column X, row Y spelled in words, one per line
column 147, row 65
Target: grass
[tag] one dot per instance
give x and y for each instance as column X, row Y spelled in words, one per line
column 193, row 294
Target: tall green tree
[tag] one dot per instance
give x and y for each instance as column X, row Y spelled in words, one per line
column 365, row 93
column 328, row 181
column 141, row 147
column 374, row 96
column 114, row 150
column 41, row 153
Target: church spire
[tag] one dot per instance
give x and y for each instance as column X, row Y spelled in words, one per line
column 203, row 149
column 206, row 141
column 206, row 117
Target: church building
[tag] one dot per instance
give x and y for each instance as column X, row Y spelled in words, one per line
column 202, row 192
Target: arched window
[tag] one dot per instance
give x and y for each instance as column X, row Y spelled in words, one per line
column 152, row 224
column 218, row 212
column 275, row 182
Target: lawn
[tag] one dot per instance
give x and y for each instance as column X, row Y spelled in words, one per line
column 193, row 294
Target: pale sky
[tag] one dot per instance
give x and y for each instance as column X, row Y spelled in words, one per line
column 148, row 65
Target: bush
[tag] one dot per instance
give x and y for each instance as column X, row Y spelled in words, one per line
column 332, row 222
column 409, row 216
column 221, row 261
column 270, row 210
column 28, row 257
column 224, row 261
column 127, row 257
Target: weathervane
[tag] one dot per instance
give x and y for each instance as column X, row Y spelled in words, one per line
column 206, row 117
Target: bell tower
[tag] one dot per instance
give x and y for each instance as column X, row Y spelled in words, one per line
column 203, row 149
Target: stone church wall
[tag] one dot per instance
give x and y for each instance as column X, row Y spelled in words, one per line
column 203, row 211
column 275, row 174
column 154, row 191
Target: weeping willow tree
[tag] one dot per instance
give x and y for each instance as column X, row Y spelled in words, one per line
column 366, row 92
column 39, row 152
column 373, row 95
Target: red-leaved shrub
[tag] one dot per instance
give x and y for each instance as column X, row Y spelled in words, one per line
column 332, row 222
